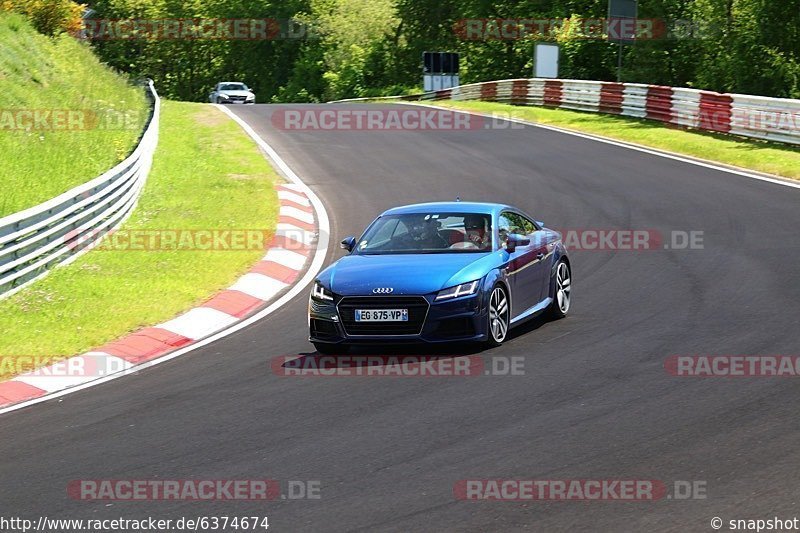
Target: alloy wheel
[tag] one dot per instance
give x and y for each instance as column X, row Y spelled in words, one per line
column 563, row 288
column 498, row 315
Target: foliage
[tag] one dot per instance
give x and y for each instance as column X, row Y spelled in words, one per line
column 49, row 17
column 363, row 47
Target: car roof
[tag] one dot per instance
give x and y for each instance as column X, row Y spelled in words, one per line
column 238, row 82
column 452, row 207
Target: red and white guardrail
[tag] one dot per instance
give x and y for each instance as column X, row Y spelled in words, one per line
column 758, row 117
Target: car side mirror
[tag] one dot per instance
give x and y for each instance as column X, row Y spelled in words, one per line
column 515, row 240
column 539, row 223
column 348, row 243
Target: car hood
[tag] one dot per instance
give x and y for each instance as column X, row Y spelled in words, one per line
column 356, row 275
column 236, row 93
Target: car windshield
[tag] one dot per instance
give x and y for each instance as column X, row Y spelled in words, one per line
column 233, row 87
column 428, row 233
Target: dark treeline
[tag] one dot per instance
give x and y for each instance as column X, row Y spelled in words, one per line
column 349, row 48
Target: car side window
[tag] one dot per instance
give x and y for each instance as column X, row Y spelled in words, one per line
column 517, row 223
column 514, row 223
column 504, row 227
column 525, row 225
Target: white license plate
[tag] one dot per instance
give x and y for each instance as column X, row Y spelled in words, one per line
column 381, row 315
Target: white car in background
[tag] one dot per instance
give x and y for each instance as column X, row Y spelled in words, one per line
column 231, row 92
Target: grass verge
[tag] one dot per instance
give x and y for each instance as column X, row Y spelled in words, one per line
column 207, row 174
column 772, row 158
column 42, row 74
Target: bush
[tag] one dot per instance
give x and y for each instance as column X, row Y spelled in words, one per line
column 49, row 17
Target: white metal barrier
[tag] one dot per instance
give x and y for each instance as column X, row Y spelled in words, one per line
column 56, row 232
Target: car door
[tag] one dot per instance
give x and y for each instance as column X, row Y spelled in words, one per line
column 526, row 269
column 541, row 247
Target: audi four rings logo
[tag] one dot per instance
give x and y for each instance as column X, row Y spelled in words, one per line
column 383, row 290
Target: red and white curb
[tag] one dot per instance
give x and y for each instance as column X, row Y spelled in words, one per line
column 300, row 244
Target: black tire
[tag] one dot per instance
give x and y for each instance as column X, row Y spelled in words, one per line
column 562, row 294
column 498, row 316
column 326, row 348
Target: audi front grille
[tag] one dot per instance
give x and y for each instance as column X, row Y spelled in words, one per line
column 417, row 311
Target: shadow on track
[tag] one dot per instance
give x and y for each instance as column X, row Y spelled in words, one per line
column 372, row 355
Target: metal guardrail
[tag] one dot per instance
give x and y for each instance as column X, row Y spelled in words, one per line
column 756, row 117
column 56, row 232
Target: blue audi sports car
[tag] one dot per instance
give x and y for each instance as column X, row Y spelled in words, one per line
column 440, row 272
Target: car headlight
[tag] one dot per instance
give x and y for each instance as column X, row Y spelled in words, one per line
column 251, row 97
column 465, row 289
column 224, row 96
column 320, row 293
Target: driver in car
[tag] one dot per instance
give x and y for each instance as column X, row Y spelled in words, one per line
column 476, row 230
column 423, row 233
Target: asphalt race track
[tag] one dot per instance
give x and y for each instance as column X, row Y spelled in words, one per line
column 594, row 402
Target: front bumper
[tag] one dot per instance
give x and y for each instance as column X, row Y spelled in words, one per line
column 460, row 319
